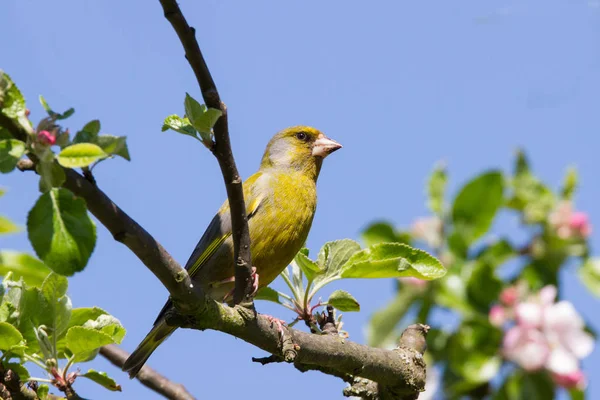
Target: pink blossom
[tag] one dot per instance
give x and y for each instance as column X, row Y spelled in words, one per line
column 526, row 347
column 571, row 381
column 580, row 223
column 569, row 224
column 46, row 138
column 509, row 296
column 549, row 335
column 428, row 229
column 497, row 315
column 414, row 282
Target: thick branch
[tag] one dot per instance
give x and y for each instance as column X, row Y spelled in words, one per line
column 402, row 369
column 221, row 150
column 147, row 376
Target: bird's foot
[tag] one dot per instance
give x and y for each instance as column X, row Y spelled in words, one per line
column 279, row 323
column 254, row 278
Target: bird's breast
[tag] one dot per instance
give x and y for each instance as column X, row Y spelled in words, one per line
column 282, row 223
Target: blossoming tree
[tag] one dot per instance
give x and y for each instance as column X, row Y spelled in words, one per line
column 512, row 335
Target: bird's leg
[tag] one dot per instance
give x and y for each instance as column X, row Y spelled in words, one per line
column 254, row 282
column 229, row 295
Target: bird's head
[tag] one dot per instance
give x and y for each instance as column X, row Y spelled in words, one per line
column 300, row 148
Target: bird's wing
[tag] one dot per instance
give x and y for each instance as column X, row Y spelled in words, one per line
column 219, row 228
column 218, row 231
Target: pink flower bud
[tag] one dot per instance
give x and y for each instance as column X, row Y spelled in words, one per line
column 414, row 282
column 46, row 138
column 570, row 381
column 580, row 223
column 497, row 315
column 509, row 296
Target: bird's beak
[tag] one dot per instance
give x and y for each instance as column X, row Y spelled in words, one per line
column 324, row 146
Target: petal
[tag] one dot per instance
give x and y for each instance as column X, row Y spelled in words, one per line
column 548, row 294
column 529, row 314
column 562, row 317
column 562, row 361
column 512, row 338
column 580, row 343
column 526, row 347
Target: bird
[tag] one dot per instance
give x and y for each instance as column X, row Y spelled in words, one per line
column 281, row 199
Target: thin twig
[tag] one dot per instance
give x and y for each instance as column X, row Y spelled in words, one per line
column 221, row 150
column 147, row 376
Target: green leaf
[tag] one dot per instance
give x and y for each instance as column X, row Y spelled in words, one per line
column 23, row 265
column 392, row 260
column 12, row 102
column 109, row 325
column 436, row 189
column 58, row 305
column 383, row 232
column 53, row 114
column 202, row 119
column 43, row 391
column 476, row 205
column 268, row 294
column 114, row 145
column 483, row 287
column 51, row 175
column 589, row 274
column 530, row 195
column 9, row 336
column 193, row 109
column 309, row 267
column 61, row 231
column 577, row 394
column 333, row 255
column 343, row 301
column 89, row 133
column 380, row 330
column 208, row 120
column 569, row 184
column 181, row 125
column 102, row 379
column 497, row 253
column 521, row 163
column 11, row 151
column 80, row 155
column 81, row 315
column 7, row 226
column 473, row 351
column 82, row 340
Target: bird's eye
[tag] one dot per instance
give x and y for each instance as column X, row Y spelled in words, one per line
column 301, row 136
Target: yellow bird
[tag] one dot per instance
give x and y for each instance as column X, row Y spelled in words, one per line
column 281, row 199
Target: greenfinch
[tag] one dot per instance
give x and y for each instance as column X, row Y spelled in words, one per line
column 281, row 199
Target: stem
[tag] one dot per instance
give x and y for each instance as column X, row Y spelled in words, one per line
column 34, row 379
column 306, row 294
column 36, row 361
column 69, row 363
column 286, row 278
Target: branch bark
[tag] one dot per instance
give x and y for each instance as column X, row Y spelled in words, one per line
column 147, row 376
column 221, row 150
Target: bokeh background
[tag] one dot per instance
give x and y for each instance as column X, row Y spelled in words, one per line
column 400, row 84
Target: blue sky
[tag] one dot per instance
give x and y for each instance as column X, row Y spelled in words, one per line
column 400, row 84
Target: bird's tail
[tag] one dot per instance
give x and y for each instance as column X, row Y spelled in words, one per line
column 138, row 358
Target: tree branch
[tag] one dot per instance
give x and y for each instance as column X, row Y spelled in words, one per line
column 221, row 150
column 402, row 370
column 147, row 376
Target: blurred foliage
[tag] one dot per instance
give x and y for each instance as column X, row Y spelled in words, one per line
column 459, row 233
